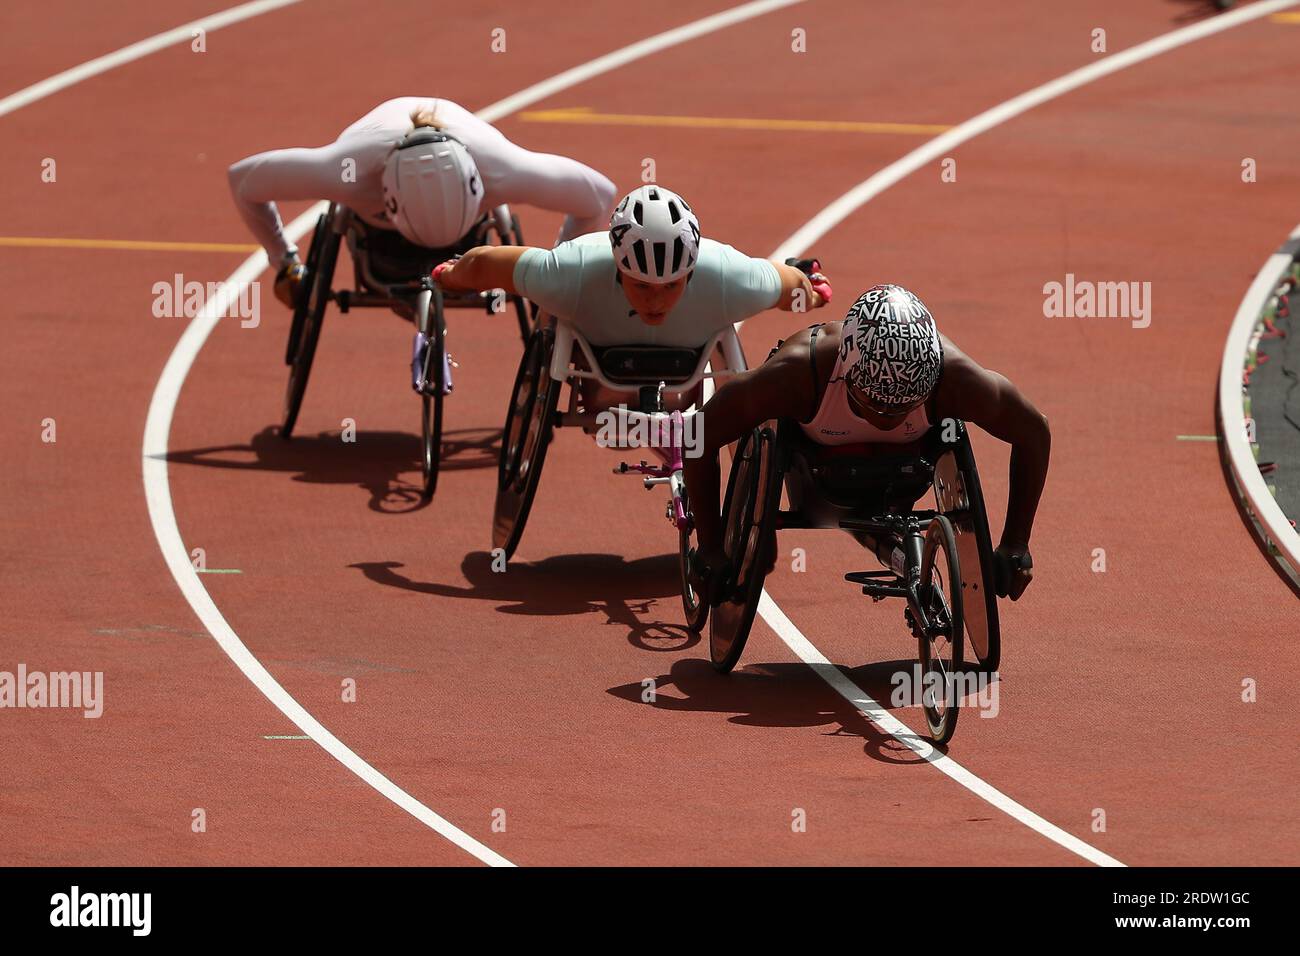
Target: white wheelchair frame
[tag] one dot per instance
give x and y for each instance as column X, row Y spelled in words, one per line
column 564, row 369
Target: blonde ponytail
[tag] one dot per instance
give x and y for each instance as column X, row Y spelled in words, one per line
column 426, row 117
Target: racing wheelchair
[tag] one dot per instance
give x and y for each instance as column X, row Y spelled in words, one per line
column 391, row 272
column 654, row 377
column 939, row 560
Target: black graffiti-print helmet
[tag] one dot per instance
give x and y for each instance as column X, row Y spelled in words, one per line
column 893, row 349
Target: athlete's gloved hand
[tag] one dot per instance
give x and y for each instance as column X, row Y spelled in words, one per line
column 812, row 268
column 289, row 280
column 1013, row 569
column 442, row 267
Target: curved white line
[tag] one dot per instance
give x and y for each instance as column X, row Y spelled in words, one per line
column 159, row 41
column 836, row 213
column 167, row 393
column 157, row 490
column 918, row 744
column 1273, row 521
column 938, row 147
column 625, row 55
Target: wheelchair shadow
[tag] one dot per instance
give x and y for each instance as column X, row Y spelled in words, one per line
column 781, row 695
column 624, row 591
column 385, row 464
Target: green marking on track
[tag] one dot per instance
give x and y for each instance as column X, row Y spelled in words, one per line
column 218, row 571
column 1198, row 437
column 285, row 737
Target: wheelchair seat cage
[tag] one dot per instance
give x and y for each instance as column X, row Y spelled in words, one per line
column 830, row 488
column 389, row 270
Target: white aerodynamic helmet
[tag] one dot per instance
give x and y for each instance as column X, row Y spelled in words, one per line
column 655, row 236
column 432, row 188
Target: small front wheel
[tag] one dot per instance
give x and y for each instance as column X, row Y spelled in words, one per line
column 431, row 442
column 694, row 605
column 434, row 373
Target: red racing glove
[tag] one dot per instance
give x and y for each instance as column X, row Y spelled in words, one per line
column 812, row 268
column 442, row 267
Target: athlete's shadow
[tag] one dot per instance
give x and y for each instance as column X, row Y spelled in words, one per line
column 781, row 695
column 641, row 595
column 385, row 464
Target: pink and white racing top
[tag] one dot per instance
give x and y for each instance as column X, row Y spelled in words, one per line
column 835, row 422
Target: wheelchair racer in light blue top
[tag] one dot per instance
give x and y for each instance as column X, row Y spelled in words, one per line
column 651, row 280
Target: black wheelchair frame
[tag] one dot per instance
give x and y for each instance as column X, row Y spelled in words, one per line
column 391, row 273
column 940, row 560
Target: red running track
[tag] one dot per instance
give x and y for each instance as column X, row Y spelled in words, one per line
column 479, row 692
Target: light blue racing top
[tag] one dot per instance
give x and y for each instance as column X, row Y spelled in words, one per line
column 576, row 282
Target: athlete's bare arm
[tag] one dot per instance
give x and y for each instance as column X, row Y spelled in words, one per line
column 987, row 399
column 483, row 268
column 782, row 387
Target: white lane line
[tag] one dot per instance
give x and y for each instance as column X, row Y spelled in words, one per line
column 836, row 213
column 915, row 742
column 938, row 147
column 167, row 392
column 157, row 490
column 635, row 51
column 181, row 34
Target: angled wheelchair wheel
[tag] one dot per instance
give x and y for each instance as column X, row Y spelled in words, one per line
column 749, row 531
column 523, row 317
column 435, row 371
column 304, row 291
column 304, row 351
column 524, row 440
column 939, row 636
column 959, row 497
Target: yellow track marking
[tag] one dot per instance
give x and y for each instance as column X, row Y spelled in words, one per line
column 45, row 243
column 585, row 114
column 1285, row 18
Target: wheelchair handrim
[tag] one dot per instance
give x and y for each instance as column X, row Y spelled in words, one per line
column 941, row 653
column 733, row 617
column 518, row 416
column 515, row 492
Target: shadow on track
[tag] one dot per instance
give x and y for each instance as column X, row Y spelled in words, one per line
column 1199, row 9
column 780, row 695
column 376, row 461
column 623, row 591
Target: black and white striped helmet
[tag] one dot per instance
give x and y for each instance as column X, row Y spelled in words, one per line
column 654, row 235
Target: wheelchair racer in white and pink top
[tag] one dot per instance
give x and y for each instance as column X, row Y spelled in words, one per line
column 431, row 187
